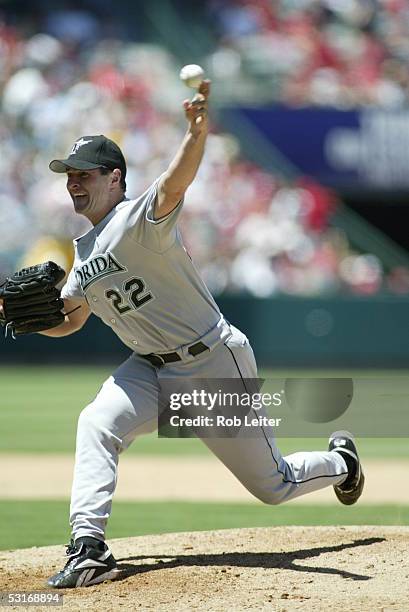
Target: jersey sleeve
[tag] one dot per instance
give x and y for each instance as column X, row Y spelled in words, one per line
column 155, row 234
column 72, row 289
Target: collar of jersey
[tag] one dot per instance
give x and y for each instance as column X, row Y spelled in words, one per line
column 97, row 229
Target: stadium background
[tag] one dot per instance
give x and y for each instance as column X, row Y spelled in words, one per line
column 296, row 219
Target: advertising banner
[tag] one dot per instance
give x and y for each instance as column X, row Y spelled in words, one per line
column 365, row 148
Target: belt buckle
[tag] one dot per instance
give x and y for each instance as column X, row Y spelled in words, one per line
column 160, row 359
column 156, row 360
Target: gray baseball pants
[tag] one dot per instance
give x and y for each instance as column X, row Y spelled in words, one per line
column 126, row 407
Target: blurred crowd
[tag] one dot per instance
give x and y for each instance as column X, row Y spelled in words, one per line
column 246, row 229
column 341, row 53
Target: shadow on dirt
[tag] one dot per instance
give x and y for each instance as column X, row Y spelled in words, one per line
column 267, row 560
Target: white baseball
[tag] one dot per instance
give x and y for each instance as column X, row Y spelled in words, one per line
column 192, row 75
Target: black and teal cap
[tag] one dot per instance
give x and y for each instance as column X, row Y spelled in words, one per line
column 90, row 152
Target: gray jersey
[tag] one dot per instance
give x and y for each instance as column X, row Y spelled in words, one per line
column 137, row 276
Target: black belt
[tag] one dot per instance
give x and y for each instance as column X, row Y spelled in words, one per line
column 159, row 360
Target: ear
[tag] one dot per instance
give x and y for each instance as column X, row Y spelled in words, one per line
column 116, row 177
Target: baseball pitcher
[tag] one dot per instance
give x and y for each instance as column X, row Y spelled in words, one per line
column 132, row 270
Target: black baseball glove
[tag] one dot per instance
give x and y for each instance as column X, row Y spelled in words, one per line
column 31, row 300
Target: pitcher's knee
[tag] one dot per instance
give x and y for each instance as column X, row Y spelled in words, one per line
column 270, row 497
column 88, row 418
column 94, row 423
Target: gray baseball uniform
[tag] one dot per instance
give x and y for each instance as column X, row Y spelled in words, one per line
column 135, row 274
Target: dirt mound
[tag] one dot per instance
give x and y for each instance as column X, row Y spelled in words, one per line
column 282, row 568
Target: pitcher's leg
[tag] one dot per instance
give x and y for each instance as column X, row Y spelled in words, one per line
column 253, row 456
column 258, row 464
column 126, row 406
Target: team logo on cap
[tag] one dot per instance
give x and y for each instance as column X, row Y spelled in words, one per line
column 80, row 143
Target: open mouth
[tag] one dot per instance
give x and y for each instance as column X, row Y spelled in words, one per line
column 80, row 198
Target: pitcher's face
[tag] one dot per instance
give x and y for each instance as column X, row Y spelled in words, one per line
column 89, row 190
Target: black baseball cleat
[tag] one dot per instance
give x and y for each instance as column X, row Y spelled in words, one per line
column 90, row 562
column 350, row 490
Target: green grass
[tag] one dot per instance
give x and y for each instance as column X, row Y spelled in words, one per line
column 40, row 406
column 41, row 523
column 38, row 413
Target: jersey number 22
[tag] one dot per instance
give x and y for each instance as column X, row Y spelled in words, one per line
column 137, row 297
